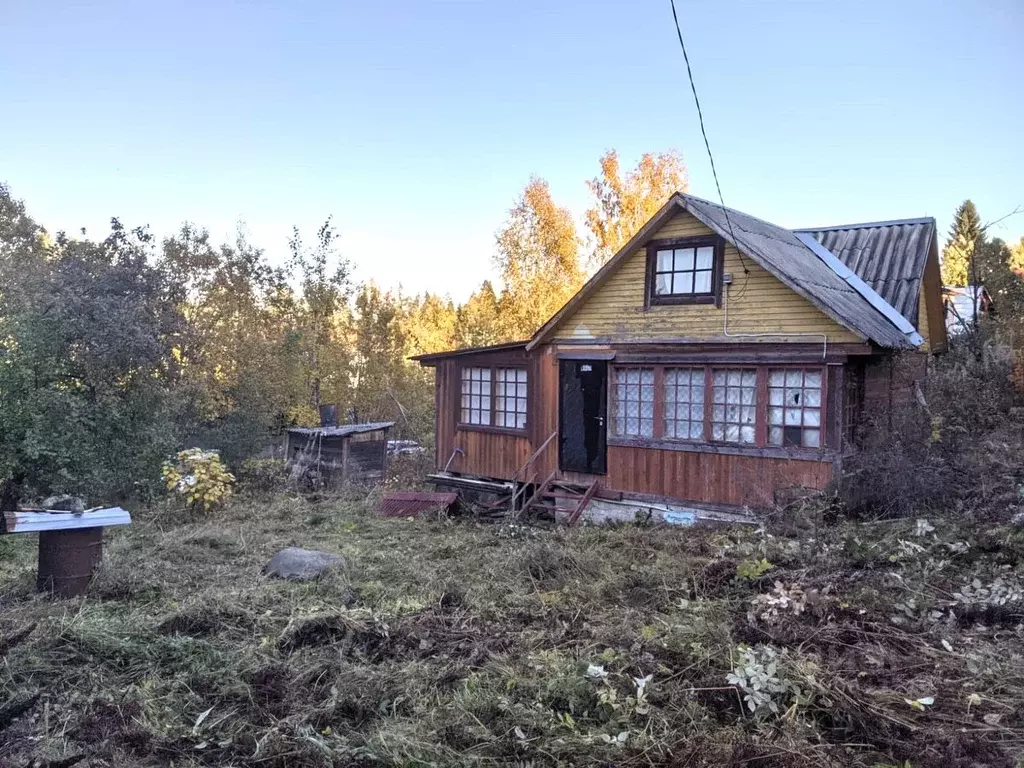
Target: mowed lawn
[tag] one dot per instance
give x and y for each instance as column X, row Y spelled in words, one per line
column 811, row 641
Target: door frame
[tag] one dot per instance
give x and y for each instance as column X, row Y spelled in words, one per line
column 603, row 416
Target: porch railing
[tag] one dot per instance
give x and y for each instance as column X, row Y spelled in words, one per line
column 526, row 476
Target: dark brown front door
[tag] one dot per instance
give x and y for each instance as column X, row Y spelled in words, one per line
column 582, row 432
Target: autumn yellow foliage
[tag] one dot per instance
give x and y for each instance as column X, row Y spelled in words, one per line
column 198, row 478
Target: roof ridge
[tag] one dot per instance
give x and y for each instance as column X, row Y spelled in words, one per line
column 869, row 224
column 734, row 210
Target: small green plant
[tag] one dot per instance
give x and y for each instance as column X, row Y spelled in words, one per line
column 198, row 478
column 749, row 570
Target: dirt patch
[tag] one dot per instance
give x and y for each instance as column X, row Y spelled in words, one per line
column 348, row 635
column 203, row 621
column 116, row 725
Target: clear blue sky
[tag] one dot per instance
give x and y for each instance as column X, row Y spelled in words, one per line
column 417, row 123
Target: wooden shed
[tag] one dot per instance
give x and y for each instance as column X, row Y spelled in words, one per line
column 340, row 454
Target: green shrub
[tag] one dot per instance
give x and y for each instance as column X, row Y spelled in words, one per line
column 262, row 474
column 199, row 478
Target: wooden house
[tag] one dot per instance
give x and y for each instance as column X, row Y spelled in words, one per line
column 716, row 362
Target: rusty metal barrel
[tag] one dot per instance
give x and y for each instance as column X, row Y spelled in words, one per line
column 68, row 559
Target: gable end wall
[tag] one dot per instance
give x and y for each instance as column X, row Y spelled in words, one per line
column 758, row 303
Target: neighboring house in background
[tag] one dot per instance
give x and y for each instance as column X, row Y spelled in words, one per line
column 716, row 362
column 962, row 303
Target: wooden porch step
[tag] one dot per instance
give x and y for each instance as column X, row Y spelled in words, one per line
column 547, row 507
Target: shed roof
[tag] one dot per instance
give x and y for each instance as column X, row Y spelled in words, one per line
column 889, row 256
column 433, row 356
column 343, row 430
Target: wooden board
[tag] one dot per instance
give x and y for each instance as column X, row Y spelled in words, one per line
column 33, row 522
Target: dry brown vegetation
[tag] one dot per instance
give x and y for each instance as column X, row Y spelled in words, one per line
column 448, row 642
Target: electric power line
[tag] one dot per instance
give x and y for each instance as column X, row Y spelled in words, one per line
column 707, row 145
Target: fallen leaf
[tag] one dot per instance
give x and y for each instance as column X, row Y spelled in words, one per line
column 200, row 719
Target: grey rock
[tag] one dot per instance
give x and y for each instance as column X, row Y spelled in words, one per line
column 1018, row 520
column 302, row 564
column 65, row 503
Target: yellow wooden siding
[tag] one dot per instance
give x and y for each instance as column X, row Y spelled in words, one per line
column 930, row 317
column 922, row 318
column 758, row 303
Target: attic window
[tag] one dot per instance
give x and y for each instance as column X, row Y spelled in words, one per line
column 684, row 271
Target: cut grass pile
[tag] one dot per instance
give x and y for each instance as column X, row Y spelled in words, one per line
column 810, row 642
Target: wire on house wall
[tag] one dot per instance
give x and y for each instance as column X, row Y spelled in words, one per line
column 762, row 334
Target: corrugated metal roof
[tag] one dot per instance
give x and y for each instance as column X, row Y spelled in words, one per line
column 343, row 429
column 889, row 256
column 412, row 504
column 780, row 252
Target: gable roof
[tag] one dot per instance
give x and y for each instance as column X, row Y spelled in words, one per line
column 889, row 256
column 805, row 267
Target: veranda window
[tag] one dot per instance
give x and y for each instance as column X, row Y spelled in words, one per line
column 633, row 402
column 476, row 396
column 510, row 398
column 494, row 397
column 742, row 405
column 684, row 403
column 794, row 412
column 734, row 405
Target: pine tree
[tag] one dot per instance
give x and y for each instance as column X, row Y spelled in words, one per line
column 964, row 235
column 478, row 319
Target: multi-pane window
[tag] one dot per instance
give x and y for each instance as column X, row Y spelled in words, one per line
column 684, row 403
column 494, row 397
column 794, row 407
column 633, row 402
column 747, row 406
column 510, row 398
column 734, row 405
column 683, row 271
column 476, row 396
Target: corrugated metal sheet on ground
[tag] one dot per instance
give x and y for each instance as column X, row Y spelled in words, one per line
column 416, row 503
